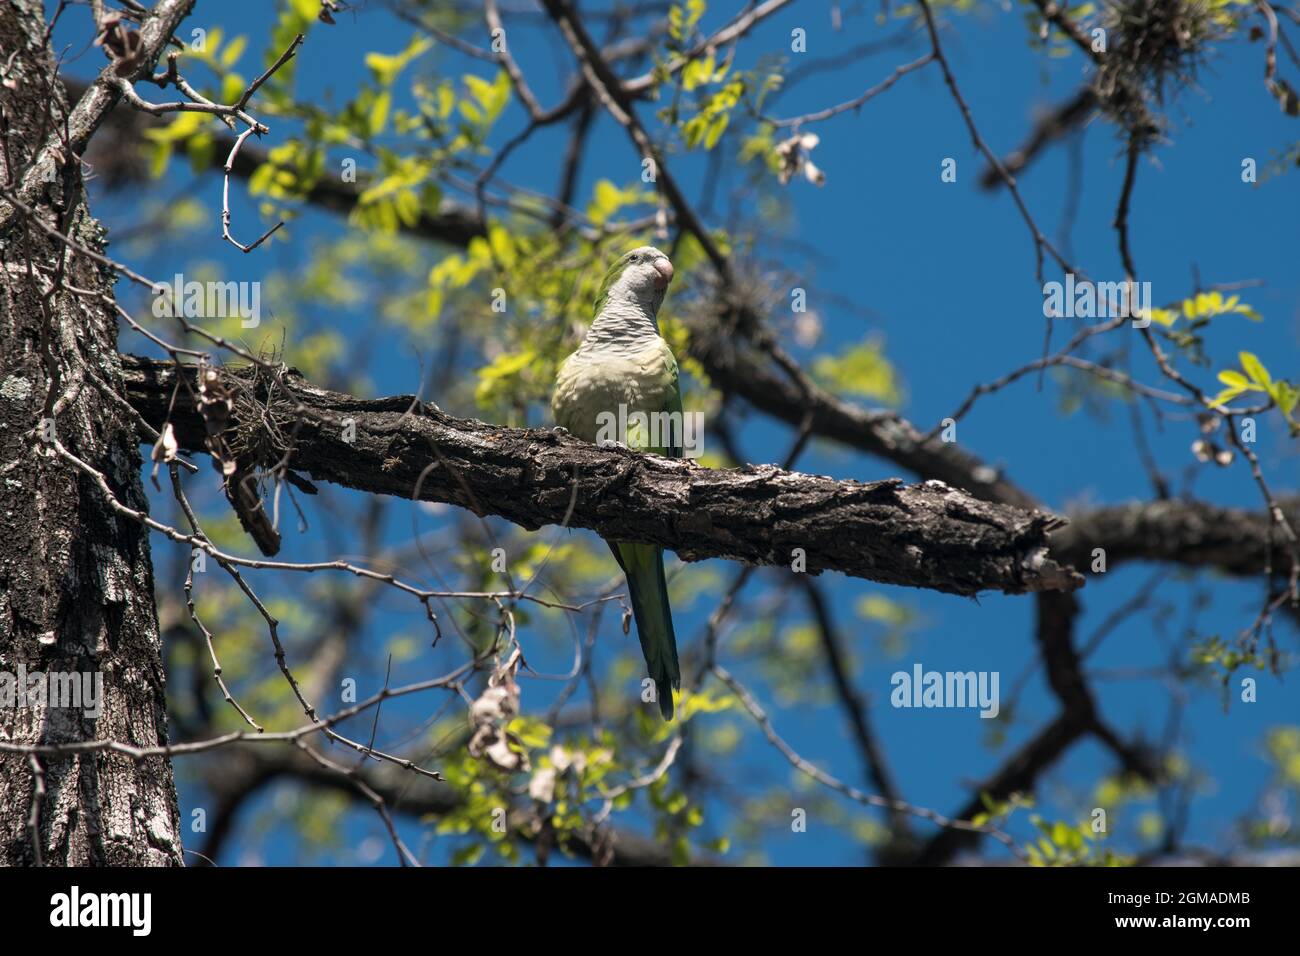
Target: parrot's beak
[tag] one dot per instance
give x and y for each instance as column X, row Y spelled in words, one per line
column 665, row 270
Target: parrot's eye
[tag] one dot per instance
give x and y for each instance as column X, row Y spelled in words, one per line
column 635, row 259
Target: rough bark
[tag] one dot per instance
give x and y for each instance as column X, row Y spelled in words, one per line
column 1190, row 533
column 47, row 157
column 927, row 535
column 76, row 583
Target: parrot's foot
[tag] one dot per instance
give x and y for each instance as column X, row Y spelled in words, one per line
column 559, row 430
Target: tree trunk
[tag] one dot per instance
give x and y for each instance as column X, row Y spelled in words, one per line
column 76, row 581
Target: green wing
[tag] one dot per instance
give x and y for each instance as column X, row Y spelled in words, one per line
column 666, row 437
column 673, row 403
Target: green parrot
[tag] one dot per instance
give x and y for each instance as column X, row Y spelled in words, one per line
column 624, row 366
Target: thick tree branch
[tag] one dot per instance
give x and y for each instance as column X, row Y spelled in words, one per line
column 928, row 535
column 1190, row 533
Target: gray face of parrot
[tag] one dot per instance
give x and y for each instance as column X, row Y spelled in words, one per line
column 644, row 280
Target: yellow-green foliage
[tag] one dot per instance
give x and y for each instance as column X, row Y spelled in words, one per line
column 860, row 370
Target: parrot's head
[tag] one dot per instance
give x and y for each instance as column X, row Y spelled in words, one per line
column 639, row 277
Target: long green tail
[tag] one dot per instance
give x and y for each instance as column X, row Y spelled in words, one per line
column 644, row 566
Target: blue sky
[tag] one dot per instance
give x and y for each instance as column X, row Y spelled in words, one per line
column 946, row 274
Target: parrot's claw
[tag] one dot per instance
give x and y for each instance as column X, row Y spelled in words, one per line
column 559, row 430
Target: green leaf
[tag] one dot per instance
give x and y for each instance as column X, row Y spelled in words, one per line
column 232, row 87
column 183, row 127
column 384, row 68
column 503, row 247
column 861, row 370
column 532, row 733
column 200, row 149
column 467, row 855
column 232, row 53
column 490, row 97
column 1255, row 369
column 1225, row 396
column 877, row 607
column 500, row 371
column 1061, row 833
column 716, row 128
column 681, row 23
column 1286, row 395
column 470, row 112
column 697, row 73
column 379, row 112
